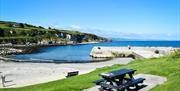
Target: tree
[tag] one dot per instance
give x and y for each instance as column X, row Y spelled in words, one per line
column 49, row 27
column 1, row 32
column 41, row 27
column 22, row 33
column 10, row 25
column 34, row 32
column 21, row 25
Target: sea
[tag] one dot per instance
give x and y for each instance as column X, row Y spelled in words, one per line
column 80, row 52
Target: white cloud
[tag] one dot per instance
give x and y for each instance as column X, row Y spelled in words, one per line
column 75, row 27
column 124, row 35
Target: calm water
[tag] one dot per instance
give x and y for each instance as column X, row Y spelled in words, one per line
column 73, row 53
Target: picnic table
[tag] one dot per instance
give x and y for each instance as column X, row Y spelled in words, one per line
column 119, row 80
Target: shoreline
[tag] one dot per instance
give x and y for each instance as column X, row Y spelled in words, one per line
column 102, row 57
column 44, row 45
column 96, row 60
column 28, row 49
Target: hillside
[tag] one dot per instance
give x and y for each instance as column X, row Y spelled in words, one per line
column 23, row 33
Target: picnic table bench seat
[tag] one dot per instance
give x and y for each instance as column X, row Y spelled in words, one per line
column 97, row 82
column 133, row 82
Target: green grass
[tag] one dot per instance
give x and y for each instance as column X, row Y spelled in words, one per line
column 168, row 66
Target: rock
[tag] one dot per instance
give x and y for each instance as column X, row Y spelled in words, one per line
column 138, row 52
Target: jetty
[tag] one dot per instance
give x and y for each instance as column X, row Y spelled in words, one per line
column 134, row 52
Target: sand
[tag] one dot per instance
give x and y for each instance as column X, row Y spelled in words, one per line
column 22, row 74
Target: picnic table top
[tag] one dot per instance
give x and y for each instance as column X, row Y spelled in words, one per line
column 117, row 73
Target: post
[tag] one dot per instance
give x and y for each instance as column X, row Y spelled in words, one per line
column 3, row 80
column 129, row 47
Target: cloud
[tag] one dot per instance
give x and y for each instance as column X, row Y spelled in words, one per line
column 125, row 35
column 75, row 27
column 137, row 36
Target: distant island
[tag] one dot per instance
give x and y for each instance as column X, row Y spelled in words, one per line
column 26, row 34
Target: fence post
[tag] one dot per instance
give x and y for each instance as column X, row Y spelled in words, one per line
column 3, row 80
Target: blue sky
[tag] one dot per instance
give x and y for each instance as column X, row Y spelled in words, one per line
column 148, row 19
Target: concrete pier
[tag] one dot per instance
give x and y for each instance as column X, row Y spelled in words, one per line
column 136, row 52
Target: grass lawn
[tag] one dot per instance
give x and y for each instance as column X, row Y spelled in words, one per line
column 168, row 66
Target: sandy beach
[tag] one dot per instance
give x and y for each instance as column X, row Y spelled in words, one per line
column 22, row 74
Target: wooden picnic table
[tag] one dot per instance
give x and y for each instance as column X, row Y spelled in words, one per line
column 119, row 80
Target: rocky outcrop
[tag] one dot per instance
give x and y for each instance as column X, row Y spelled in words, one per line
column 134, row 52
column 8, row 51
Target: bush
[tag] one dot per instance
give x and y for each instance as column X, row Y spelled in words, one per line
column 21, row 25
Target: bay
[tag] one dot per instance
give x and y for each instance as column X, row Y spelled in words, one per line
column 80, row 52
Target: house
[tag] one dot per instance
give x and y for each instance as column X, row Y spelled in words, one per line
column 61, row 35
column 68, row 36
column 15, row 26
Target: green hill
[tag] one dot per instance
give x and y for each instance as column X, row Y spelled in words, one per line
column 23, row 33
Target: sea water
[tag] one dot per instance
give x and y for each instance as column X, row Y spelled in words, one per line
column 80, row 53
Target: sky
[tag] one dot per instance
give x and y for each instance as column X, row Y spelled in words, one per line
column 134, row 19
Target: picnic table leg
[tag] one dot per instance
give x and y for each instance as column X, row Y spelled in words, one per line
column 103, row 89
column 131, row 76
column 137, row 87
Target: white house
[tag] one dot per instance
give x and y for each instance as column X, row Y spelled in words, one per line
column 68, row 36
